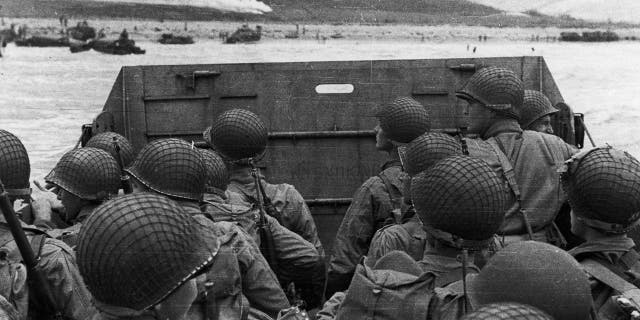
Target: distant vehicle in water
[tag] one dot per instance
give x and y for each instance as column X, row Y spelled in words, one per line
column 117, row 47
column 43, row 41
column 595, row 36
column 170, row 38
column 82, row 31
column 245, row 34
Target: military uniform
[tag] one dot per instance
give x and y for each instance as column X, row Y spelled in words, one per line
column 58, row 265
column 617, row 253
column 369, row 211
column 297, row 260
column 294, row 214
column 240, row 275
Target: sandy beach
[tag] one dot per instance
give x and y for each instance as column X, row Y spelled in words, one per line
column 151, row 30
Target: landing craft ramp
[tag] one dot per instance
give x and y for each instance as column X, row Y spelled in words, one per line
column 319, row 114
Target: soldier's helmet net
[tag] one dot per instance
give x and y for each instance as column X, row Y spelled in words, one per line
column 602, row 186
column 217, row 173
column 427, row 149
column 135, row 250
column 14, row 164
column 507, row 311
column 171, row 167
column 534, row 106
column 403, row 119
column 462, row 196
column 105, row 141
column 537, row 274
column 238, row 134
column 88, row 173
column 496, row 88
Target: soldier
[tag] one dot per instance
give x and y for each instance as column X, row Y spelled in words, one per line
column 288, row 206
column 536, row 112
column 83, row 178
column 529, row 272
column 56, row 260
column 528, row 160
column 602, row 185
column 410, row 237
column 140, row 255
column 379, row 199
column 173, row 168
column 296, row 259
column 461, row 202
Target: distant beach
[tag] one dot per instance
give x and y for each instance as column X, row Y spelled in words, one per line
column 152, row 29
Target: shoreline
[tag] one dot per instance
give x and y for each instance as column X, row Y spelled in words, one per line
column 151, row 30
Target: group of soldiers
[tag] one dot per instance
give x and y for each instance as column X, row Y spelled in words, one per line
column 452, row 227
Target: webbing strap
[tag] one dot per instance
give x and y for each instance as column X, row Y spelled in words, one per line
column 395, row 197
column 608, row 277
column 507, row 170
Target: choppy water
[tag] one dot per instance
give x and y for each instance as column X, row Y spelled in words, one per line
column 46, row 94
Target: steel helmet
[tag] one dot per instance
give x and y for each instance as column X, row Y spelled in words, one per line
column 537, row 274
column 88, row 173
column 603, row 185
column 534, row 106
column 462, row 196
column 14, row 164
column 217, row 173
column 496, row 88
column 171, row 167
column 403, row 119
column 429, row 148
column 238, row 134
column 105, row 141
column 135, row 250
column 507, row 311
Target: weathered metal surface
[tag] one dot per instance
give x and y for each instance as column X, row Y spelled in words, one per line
column 320, row 142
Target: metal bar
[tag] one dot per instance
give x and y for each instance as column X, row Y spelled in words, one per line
column 171, row 98
column 300, row 134
column 240, row 96
column 328, row 201
column 321, row 134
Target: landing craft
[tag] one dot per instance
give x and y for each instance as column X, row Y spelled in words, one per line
column 320, row 114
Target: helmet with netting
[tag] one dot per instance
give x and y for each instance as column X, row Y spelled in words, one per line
column 238, row 134
column 171, row 167
column 462, row 196
column 14, row 164
column 534, row 106
column 135, row 250
column 496, row 88
column 603, row 187
column 507, row 311
column 105, row 141
column 537, row 274
column 403, row 119
column 88, row 173
column 429, row 148
column 217, row 173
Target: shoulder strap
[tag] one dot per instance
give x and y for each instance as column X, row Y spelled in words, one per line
column 608, row 277
column 507, row 168
column 37, row 242
column 395, row 197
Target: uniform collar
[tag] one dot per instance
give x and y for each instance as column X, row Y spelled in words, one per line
column 500, row 126
column 615, row 245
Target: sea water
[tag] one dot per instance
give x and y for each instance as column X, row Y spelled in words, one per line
column 46, row 94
